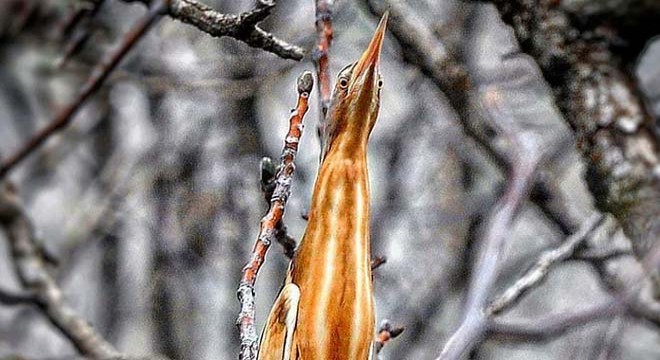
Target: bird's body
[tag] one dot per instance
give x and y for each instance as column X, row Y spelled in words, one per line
column 326, row 308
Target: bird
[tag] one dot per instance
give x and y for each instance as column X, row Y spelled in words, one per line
column 325, row 309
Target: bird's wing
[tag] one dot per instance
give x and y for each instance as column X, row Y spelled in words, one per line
column 277, row 338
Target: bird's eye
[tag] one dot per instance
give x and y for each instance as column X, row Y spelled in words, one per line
column 343, row 83
column 380, row 83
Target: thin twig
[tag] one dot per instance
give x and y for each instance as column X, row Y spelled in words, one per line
column 377, row 262
column 34, row 276
column 98, row 75
column 16, row 298
column 551, row 326
column 539, row 271
column 269, row 223
column 324, row 35
column 78, row 30
column 75, row 16
column 594, row 254
column 496, row 235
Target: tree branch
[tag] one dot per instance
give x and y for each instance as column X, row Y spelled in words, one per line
column 321, row 62
column 539, row 271
column 243, row 27
column 31, row 269
column 76, row 29
column 555, row 325
column 99, row 74
column 551, row 326
column 269, row 223
column 588, row 69
column 268, row 183
column 378, row 261
column 494, row 240
column 16, row 298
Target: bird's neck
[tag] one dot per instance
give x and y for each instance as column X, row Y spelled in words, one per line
column 337, row 234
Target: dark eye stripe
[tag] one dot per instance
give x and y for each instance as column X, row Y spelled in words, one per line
column 345, row 69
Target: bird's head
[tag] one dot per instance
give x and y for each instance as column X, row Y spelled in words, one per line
column 356, row 97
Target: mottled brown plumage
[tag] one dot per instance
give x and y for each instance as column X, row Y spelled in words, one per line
column 326, row 308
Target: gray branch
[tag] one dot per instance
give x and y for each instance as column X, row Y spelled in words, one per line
column 539, row 271
column 551, row 326
column 33, row 275
column 494, row 242
column 243, row 27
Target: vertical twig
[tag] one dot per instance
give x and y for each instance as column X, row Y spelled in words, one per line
column 324, row 35
column 269, row 223
column 98, row 75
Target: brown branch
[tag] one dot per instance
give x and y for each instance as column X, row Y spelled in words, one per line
column 243, row 27
column 98, row 75
column 34, row 276
column 539, row 271
column 386, row 332
column 324, row 35
column 496, row 234
column 269, row 223
column 268, row 177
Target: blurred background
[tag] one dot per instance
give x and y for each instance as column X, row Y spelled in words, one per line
column 150, row 200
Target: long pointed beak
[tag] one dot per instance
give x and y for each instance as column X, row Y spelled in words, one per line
column 370, row 59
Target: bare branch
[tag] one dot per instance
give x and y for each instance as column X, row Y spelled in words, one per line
column 243, row 27
column 600, row 99
column 551, row 326
column 269, row 223
column 539, row 271
column 77, row 29
column 268, row 183
column 555, row 325
column 592, row 254
column 97, row 77
column 31, row 269
column 320, row 57
column 496, row 233
column 377, row 262
column 16, row 298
